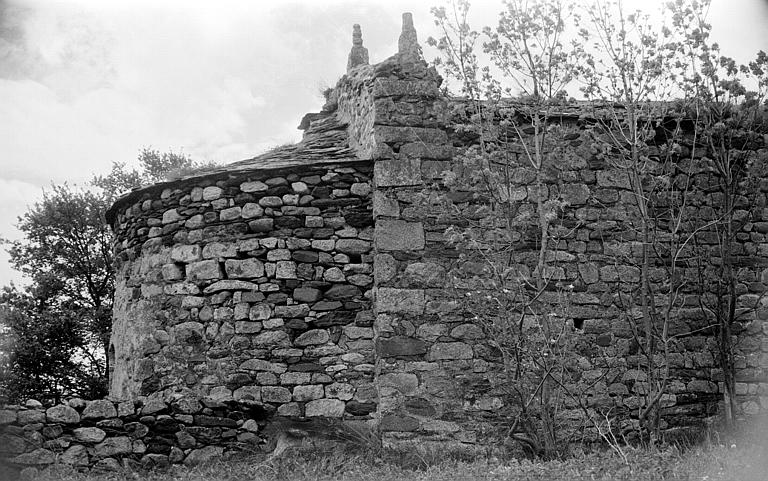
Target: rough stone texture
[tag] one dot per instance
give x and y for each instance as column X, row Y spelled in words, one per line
column 359, row 54
column 89, row 435
column 398, row 235
column 331, row 408
column 99, row 409
column 203, row 455
column 316, row 281
column 62, row 414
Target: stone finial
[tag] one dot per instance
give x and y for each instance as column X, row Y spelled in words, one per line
column 359, row 54
column 408, row 44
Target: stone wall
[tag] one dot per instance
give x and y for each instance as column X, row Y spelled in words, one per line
column 323, row 284
column 440, row 377
column 255, row 287
column 108, row 435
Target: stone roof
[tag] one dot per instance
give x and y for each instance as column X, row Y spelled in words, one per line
column 325, row 141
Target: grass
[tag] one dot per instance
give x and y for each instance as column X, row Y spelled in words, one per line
column 720, row 457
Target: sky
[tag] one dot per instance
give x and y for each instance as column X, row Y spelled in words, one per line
column 84, row 83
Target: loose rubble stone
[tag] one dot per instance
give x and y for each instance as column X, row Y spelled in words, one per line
column 203, row 455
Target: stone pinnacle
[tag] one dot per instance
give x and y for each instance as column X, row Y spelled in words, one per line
column 408, row 44
column 359, row 54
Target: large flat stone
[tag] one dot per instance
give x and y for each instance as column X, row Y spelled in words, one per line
column 100, row 409
column 405, row 301
column 399, row 346
column 427, row 151
column 244, row 269
column 353, row 246
column 392, row 422
column 399, row 235
column 186, row 253
column 331, row 408
column 405, row 382
column 425, row 274
column 36, row 457
column 203, row 455
column 113, row 446
column 383, row 206
column 62, row 414
column 398, row 88
column 449, row 351
column 395, row 172
column 204, row 270
column 89, row 435
column 231, row 285
column 403, row 135
column 312, row 337
column 617, row 178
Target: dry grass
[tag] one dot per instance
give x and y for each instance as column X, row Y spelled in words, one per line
column 718, row 458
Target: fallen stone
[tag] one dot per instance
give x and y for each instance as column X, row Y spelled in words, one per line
column 397, row 423
column 75, row 455
column 203, row 455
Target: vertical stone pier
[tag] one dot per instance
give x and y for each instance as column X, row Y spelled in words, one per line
column 416, row 370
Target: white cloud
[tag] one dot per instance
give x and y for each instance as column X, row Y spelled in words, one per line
column 15, row 198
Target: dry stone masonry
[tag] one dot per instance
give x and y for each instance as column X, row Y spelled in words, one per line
column 317, row 282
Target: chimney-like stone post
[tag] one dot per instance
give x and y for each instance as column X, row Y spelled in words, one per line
column 359, row 54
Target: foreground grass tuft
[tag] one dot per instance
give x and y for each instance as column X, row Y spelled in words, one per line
column 718, row 458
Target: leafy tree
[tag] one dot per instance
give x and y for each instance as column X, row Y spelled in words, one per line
column 66, row 253
column 728, row 117
column 59, row 326
column 49, row 356
column 523, row 304
column 630, row 63
column 154, row 166
column 637, row 71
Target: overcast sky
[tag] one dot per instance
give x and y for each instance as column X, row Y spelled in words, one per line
column 85, row 83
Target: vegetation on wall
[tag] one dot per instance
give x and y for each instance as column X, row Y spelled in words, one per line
column 669, row 92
